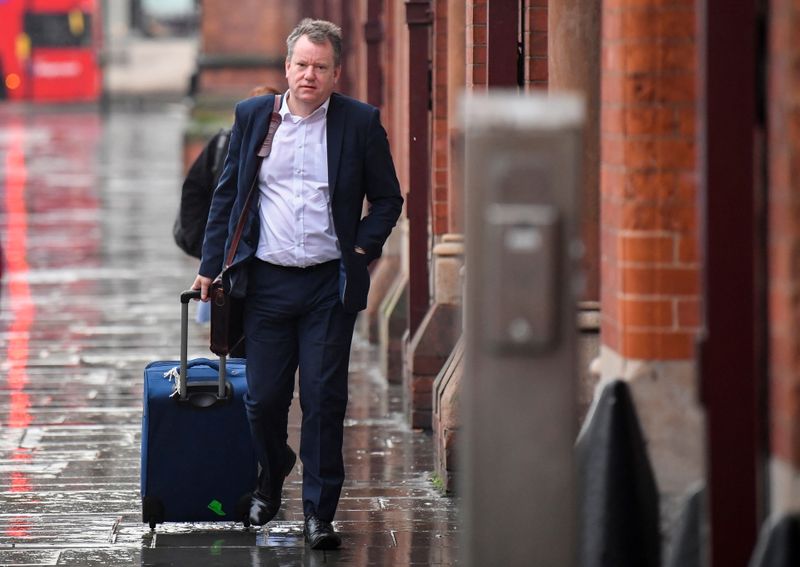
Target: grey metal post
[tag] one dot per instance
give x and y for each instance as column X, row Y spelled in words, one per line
column 522, row 177
column 183, row 377
column 222, row 376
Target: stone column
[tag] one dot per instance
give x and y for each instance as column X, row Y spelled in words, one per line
column 574, row 64
column 392, row 313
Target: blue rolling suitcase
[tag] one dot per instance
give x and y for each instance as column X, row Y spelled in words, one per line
column 198, row 462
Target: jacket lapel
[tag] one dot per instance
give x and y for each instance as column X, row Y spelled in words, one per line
column 258, row 133
column 335, row 127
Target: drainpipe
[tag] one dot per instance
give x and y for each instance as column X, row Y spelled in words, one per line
column 373, row 35
column 503, row 43
column 730, row 375
column 419, row 19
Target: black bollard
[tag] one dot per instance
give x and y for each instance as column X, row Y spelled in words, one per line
column 688, row 540
column 619, row 501
column 778, row 543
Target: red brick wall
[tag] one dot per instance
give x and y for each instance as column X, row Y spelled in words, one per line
column 255, row 28
column 784, row 237
column 650, row 268
column 260, row 27
column 476, row 43
column 535, row 42
column 239, row 82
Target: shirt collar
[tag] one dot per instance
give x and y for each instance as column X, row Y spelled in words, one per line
column 286, row 113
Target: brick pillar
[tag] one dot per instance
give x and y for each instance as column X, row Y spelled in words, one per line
column 450, row 22
column 535, row 42
column 375, row 35
column 440, row 148
column 477, row 13
column 784, row 249
column 456, row 80
column 432, row 337
column 650, row 270
column 392, row 312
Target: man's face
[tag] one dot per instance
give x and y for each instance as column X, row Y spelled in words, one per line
column 311, row 74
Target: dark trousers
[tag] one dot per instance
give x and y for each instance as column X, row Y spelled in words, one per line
column 294, row 317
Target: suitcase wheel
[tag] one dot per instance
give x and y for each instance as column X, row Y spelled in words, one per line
column 243, row 509
column 152, row 511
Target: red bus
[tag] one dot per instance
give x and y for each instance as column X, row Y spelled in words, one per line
column 49, row 50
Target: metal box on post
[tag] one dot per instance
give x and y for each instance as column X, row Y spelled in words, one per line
column 522, row 157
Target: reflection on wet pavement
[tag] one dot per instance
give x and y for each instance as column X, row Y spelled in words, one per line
column 89, row 296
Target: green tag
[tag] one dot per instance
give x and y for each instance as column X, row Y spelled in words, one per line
column 216, row 507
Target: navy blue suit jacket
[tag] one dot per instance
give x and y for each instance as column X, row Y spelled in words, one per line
column 359, row 165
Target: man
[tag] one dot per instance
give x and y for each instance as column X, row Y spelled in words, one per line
column 188, row 229
column 302, row 264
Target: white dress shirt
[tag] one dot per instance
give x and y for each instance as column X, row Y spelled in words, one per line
column 295, row 203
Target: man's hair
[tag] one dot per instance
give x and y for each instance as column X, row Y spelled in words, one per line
column 318, row 32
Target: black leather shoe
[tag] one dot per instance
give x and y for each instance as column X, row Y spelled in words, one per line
column 262, row 507
column 262, row 510
column 320, row 534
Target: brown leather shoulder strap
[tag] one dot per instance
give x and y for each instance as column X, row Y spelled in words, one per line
column 274, row 122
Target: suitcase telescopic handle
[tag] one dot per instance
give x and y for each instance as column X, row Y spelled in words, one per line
column 186, row 297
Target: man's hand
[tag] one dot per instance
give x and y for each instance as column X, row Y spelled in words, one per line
column 202, row 283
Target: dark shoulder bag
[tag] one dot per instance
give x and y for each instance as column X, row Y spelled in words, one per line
column 227, row 312
column 196, row 192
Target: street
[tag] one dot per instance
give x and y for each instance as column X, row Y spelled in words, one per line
column 89, row 296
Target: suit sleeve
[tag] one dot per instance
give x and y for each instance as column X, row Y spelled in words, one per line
column 382, row 191
column 221, row 206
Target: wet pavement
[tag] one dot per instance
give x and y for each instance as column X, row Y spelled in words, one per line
column 89, row 296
